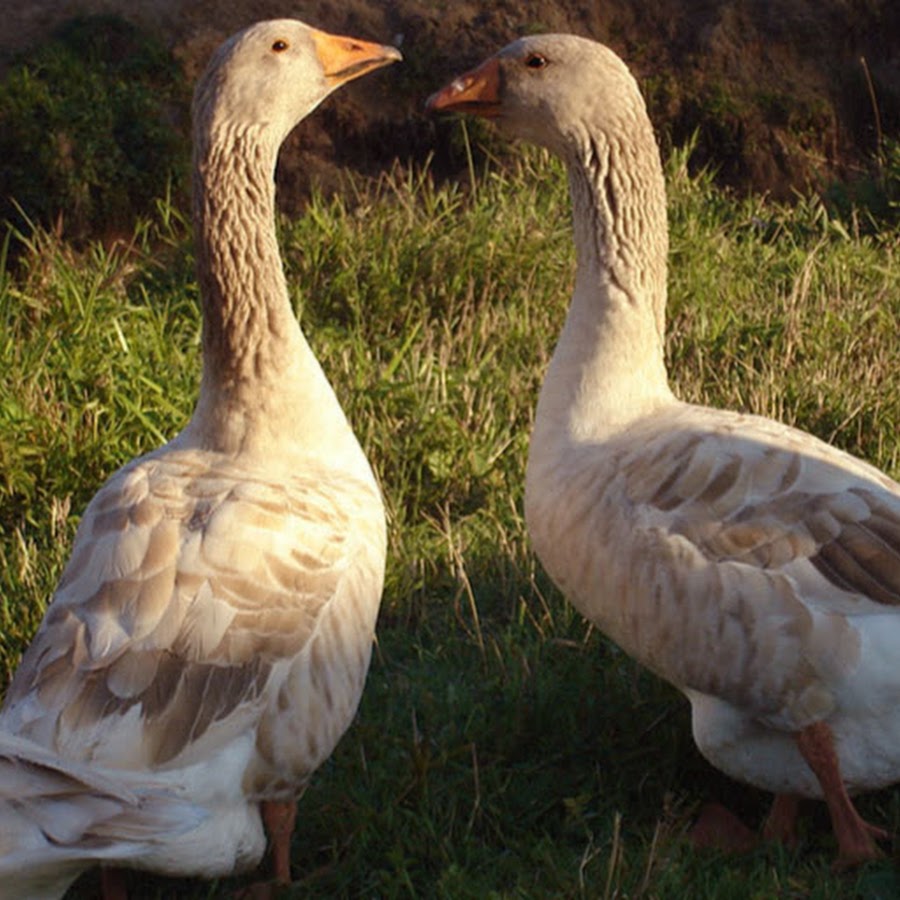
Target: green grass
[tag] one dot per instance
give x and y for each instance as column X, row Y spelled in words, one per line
column 503, row 748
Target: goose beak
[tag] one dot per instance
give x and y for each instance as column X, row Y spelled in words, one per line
column 476, row 92
column 345, row 58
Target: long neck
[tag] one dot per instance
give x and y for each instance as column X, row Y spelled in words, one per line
column 608, row 368
column 247, row 320
column 262, row 389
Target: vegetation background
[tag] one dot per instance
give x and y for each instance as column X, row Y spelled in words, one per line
column 503, row 748
column 785, row 96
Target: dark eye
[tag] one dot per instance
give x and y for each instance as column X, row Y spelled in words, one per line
column 536, row 61
column 280, row 46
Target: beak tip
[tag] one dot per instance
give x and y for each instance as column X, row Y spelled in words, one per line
column 477, row 91
column 346, row 58
column 444, row 97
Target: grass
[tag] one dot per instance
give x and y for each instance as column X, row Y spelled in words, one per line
column 503, row 748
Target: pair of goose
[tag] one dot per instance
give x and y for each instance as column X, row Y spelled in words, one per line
column 208, row 643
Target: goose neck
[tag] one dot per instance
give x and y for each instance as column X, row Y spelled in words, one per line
column 247, row 317
column 620, row 223
column 261, row 386
column 608, row 368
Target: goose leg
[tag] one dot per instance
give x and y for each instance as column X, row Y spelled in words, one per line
column 855, row 836
column 717, row 828
column 781, row 823
column 279, row 818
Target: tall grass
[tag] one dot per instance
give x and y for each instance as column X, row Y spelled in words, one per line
column 503, row 748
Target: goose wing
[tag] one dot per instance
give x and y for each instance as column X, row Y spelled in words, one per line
column 754, row 553
column 748, row 490
column 189, row 584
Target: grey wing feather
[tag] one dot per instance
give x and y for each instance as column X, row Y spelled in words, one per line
column 185, row 587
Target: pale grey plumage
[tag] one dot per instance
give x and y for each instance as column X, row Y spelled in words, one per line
column 213, row 628
column 750, row 564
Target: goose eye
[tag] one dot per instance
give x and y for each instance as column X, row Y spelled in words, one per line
column 280, row 46
column 536, row 61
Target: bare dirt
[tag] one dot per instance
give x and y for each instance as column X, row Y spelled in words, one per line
column 784, row 95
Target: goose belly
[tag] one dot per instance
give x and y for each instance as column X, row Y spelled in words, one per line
column 748, row 750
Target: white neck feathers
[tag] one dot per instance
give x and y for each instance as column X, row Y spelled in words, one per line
column 608, row 368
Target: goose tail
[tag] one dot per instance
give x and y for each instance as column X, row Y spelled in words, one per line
column 59, row 818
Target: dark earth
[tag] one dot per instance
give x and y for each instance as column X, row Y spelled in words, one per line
column 784, row 95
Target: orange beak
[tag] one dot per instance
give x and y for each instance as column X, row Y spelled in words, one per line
column 346, row 58
column 475, row 92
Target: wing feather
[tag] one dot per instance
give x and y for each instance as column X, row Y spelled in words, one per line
column 751, row 548
column 776, row 498
column 188, row 583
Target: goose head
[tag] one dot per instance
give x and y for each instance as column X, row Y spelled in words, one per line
column 550, row 89
column 576, row 98
column 273, row 74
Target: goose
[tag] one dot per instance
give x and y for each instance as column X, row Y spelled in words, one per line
column 213, row 627
column 751, row 565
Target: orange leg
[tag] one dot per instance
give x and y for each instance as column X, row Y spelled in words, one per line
column 855, row 836
column 781, row 823
column 279, row 818
column 717, row 828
